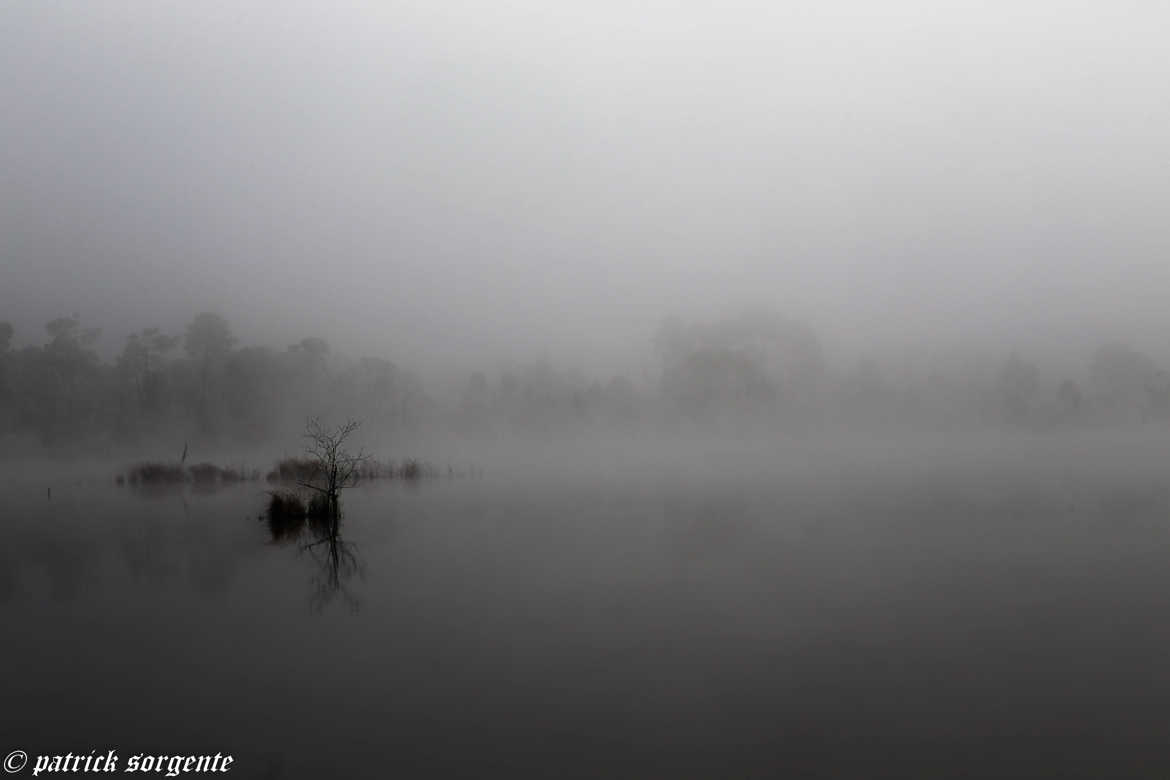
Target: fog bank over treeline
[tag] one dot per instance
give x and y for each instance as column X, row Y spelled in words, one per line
column 751, row 371
column 439, row 182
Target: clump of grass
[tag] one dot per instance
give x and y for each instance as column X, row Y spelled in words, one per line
column 308, row 470
column 153, row 473
column 205, row 473
column 412, row 469
column 318, row 508
column 285, row 503
column 374, row 469
column 297, row 470
column 286, row 514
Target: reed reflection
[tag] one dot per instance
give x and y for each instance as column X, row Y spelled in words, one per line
column 315, row 529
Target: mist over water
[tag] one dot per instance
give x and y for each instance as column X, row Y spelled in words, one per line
column 666, row 389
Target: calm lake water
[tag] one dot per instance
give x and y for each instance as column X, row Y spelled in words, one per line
column 868, row 619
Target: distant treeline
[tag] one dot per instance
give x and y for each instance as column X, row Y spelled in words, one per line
column 199, row 384
column 756, row 366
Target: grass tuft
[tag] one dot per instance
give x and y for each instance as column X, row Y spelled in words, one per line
column 297, row 470
column 152, row 473
column 285, row 514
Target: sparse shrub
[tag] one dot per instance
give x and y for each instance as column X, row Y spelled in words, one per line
column 205, row 473
column 156, row 474
column 285, row 503
column 319, row 508
column 285, row 515
column 305, row 471
column 298, row 470
column 373, row 469
column 292, row 504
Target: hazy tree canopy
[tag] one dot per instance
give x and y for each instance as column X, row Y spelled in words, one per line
column 315, row 347
column 208, row 336
column 759, row 332
column 1019, row 381
column 1120, row 375
column 253, row 391
column 145, row 350
column 718, row 379
column 755, row 366
column 67, row 333
column 753, row 357
column 141, row 364
column 1070, row 395
column 62, row 328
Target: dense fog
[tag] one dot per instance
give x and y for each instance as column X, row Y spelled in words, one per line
column 472, row 221
column 752, row 372
column 610, row 388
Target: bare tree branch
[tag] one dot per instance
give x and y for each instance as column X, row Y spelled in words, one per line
column 338, row 467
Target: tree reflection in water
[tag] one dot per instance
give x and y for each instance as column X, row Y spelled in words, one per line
column 337, row 561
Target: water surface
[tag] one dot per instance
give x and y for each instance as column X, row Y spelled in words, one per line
column 869, row 619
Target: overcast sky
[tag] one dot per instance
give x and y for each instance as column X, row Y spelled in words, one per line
column 510, row 178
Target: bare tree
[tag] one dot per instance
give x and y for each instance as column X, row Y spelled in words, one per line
column 337, row 468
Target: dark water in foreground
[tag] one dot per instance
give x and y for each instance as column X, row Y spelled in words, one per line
column 858, row 625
